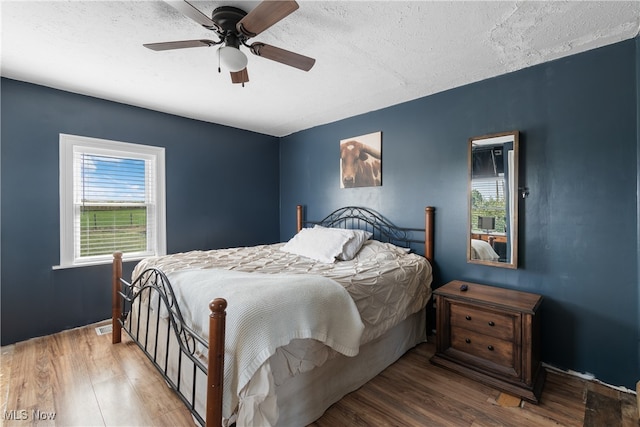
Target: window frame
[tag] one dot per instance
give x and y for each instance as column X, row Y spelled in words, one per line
column 68, row 239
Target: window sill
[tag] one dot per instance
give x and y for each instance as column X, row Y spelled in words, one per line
column 94, row 263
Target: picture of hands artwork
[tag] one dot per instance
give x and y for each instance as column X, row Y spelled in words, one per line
column 361, row 161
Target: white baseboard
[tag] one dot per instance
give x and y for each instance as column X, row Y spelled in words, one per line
column 590, row 377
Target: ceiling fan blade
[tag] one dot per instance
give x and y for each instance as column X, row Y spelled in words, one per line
column 190, row 11
column 241, row 76
column 283, row 56
column 265, row 15
column 179, row 44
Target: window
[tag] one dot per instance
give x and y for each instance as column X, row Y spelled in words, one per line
column 488, row 200
column 112, row 198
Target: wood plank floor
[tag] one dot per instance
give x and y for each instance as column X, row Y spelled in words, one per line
column 79, row 379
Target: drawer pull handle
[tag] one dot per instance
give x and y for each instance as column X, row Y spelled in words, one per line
column 491, row 323
column 467, row 340
column 467, row 317
column 490, row 348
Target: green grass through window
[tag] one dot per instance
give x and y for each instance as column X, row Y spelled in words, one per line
column 106, row 229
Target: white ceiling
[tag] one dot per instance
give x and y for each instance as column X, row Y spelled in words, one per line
column 369, row 54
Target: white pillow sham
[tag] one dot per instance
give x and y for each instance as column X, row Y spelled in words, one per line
column 316, row 243
column 353, row 245
column 327, row 244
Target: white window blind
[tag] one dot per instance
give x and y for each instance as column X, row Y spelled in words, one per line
column 112, row 199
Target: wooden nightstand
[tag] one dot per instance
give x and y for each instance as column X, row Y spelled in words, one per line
column 490, row 334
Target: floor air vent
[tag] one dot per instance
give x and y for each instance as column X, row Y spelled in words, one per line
column 103, row 330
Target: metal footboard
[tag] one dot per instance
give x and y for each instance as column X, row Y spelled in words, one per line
column 159, row 329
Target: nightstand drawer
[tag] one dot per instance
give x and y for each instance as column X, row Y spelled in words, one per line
column 488, row 348
column 487, row 322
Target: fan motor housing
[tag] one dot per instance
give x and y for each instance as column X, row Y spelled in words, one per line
column 227, row 17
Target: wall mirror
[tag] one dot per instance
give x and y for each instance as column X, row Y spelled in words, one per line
column 493, row 200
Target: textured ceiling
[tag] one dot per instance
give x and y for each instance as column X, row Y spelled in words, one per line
column 369, row 54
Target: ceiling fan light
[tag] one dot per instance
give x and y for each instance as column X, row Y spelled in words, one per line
column 232, row 58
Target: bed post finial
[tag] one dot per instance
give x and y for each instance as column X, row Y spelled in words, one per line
column 116, row 301
column 429, row 213
column 215, row 368
column 299, row 220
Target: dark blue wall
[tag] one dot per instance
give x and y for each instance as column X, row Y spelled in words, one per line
column 222, row 190
column 578, row 228
column 638, row 176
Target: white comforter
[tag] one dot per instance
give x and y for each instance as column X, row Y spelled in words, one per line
column 386, row 283
column 285, row 307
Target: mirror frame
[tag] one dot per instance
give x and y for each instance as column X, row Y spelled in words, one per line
column 513, row 200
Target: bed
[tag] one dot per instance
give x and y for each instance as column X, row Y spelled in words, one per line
column 483, row 250
column 283, row 333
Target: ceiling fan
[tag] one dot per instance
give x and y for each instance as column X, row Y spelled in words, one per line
column 234, row 27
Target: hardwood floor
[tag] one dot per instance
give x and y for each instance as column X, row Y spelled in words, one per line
column 77, row 378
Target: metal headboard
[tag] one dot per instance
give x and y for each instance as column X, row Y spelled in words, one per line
column 354, row 217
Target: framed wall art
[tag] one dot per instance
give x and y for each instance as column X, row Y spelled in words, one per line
column 361, row 161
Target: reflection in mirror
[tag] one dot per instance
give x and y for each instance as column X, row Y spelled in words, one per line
column 493, row 200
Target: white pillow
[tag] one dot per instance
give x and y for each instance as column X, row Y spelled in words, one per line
column 317, row 244
column 353, row 245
